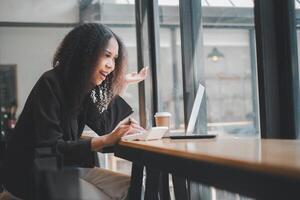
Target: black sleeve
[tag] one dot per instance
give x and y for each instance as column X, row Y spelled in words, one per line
column 47, row 117
column 105, row 122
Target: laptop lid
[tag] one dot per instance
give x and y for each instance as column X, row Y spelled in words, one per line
column 195, row 110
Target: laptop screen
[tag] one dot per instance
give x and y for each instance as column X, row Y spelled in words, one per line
column 195, row 110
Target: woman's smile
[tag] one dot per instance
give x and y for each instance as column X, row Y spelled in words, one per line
column 103, row 75
column 106, row 62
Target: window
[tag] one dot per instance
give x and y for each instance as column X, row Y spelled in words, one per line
column 170, row 91
column 230, row 67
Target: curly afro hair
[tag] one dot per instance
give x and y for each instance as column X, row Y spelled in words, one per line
column 77, row 56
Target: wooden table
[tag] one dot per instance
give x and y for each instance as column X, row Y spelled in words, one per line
column 259, row 168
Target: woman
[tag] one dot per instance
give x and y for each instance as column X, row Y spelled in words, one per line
column 82, row 89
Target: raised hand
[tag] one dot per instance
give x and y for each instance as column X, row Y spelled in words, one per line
column 135, row 77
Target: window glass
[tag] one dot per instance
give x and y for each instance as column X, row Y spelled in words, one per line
column 170, row 69
column 230, row 67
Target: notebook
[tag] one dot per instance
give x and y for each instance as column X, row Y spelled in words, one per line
column 155, row 133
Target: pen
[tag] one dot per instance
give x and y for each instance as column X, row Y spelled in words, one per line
column 130, row 121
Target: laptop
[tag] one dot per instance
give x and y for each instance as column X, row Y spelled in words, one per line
column 158, row 132
column 192, row 121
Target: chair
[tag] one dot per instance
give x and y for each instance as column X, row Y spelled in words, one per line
column 3, row 141
column 2, row 152
column 53, row 180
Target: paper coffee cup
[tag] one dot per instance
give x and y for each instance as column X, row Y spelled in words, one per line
column 163, row 119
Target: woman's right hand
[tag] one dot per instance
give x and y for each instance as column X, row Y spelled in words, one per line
column 113, row 137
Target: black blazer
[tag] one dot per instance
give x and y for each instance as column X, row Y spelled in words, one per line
column 45, row 119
